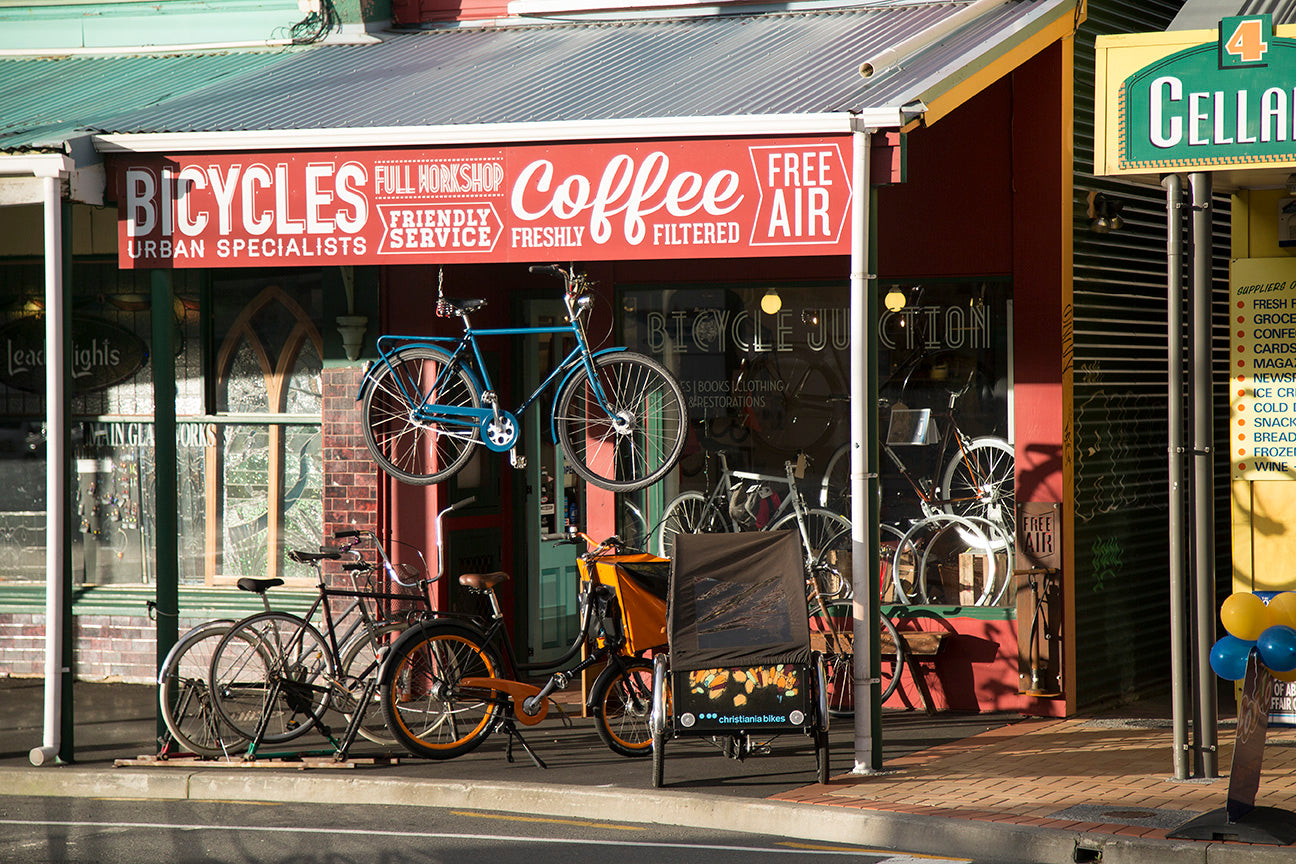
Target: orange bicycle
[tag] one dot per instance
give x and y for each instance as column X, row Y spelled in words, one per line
column 449, row 683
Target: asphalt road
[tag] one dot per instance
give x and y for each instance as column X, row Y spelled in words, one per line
column 97, row 831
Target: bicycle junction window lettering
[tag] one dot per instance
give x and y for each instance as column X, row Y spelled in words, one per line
column 765, row 372
column 763, row 385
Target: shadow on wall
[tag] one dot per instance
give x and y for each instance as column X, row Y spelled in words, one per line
column 973, row 669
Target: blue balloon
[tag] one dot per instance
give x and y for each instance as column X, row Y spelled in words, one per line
column 1277, row 646
column 1229, row 657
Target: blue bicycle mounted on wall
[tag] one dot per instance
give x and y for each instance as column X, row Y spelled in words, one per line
column 428, row 401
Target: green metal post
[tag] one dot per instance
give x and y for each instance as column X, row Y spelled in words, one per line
column 166, row 544
column 67, row 743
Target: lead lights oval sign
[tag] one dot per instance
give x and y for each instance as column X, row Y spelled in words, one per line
column 103, row 354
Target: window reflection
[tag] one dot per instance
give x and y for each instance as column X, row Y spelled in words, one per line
column 249, row 465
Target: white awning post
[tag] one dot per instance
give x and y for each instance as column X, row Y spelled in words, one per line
column 868, row 739
column 55, row 476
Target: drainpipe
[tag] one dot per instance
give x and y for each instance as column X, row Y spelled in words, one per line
column 55, row 475
column 906, row 48
column 1203, row 478
column 863, row 474
column 1180, row 686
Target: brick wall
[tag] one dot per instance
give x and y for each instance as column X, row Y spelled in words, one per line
column 22, row 644
column 350, row 475
column 105, row 647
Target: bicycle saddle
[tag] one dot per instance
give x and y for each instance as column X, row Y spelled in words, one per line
column 303, row 557
column 483, row 581
column 257, row 586
column 447, row 306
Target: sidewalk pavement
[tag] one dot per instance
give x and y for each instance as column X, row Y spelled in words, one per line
column 997, row 788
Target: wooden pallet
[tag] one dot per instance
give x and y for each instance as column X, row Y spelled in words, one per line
column 301, row 763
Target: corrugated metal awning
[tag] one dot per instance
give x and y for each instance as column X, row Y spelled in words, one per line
column 601, row 79
column 47, row 101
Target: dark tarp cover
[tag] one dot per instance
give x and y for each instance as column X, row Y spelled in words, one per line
column 737, row 599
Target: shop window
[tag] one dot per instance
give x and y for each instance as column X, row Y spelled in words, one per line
column 265, row 456
column 248, row 439
column 760, row 386
column 111, row 465
column 766, row 370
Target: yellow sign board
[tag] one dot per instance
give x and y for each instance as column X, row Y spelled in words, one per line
column 1196, row 99
column 1262, row 368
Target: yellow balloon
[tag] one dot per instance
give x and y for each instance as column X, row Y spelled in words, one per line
column 1244, row 615
column 1282, row 609
column 1288, row 677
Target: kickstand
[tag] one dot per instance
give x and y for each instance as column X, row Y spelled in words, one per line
column 511, row 730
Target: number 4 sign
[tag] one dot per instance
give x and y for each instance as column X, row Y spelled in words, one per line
column 1244, row 40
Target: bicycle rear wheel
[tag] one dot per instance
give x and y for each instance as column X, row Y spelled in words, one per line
column 841, row 670
column 689, row 513
column 273, row 669
column 622, row 707
column 184, row 698
column 409, row 447
column 426, row 707
column 643, row 436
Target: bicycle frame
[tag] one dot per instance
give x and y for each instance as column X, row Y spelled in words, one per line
column 923, row 487
column 719, row 496
column 530, row 703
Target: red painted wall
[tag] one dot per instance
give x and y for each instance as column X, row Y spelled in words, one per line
column 408, row 12
column 1040, row 232
column 952, row 215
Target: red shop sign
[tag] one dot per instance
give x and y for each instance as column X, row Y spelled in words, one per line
column 653, row 199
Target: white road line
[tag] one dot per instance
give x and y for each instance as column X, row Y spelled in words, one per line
column 491, row 838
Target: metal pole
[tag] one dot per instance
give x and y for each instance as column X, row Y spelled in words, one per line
column 1179, row 665
column 165, row 493
column 864, row 574
column 1203, row 477
column 57, row 663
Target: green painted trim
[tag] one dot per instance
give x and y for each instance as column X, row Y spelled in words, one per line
column 978, row 613
column 132, row 600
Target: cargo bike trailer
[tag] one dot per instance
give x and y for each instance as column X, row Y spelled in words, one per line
column 739, row 668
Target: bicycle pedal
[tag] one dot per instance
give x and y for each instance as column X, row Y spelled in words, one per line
column 518, row 462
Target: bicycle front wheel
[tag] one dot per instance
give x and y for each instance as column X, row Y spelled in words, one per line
column 403, row 432
column 622, row 707
column 361, row 658
column 272, row 671
column 427, row 708
column 979, row 481
column 689, row 513
column 826, row 541
column 185, row 699
column 625, row 428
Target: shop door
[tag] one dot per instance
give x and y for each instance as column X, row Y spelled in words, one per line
column 552, row 500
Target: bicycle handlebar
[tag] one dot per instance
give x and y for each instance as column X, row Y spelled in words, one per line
column 392, row 570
